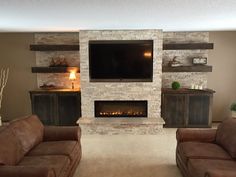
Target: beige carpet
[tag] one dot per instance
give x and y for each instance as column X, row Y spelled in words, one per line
column 129, row 156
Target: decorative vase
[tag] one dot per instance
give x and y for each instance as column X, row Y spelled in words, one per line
column 233, row 114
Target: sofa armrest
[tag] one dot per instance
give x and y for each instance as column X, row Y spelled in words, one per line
column 202, row 135
column 60, row 133
column 23, row 171
column 220, row 173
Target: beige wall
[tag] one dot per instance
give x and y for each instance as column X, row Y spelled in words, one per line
column 15, row 54
column 223, row 77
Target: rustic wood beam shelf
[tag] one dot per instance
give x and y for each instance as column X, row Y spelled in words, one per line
column 54, row 47
column 198, row 68
column 187, row 46
column 54, row 69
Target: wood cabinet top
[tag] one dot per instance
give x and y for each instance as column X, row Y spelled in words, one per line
column 55, row 91
column 187, row 91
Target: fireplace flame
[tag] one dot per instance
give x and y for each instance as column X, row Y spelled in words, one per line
column 119, row 113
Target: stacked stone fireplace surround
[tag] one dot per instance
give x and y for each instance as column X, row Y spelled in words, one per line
column 130, row 91
column 93, row 91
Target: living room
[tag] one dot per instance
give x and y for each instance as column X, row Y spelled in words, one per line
column 81, row 75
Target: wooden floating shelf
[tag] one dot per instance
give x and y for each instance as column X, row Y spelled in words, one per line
column 54, row 47
column 54, row 69
column 197, row 68
column 187, row 46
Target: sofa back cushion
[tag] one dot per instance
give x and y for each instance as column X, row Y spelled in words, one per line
column 226, row 136
column 10, row 148
column 29, row 131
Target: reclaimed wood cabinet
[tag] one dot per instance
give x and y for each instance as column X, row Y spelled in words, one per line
column 187, row 107
column 56, row 107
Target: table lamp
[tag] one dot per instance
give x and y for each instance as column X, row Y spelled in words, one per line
column 72, row 77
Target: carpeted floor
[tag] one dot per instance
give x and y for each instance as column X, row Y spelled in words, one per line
column 129, row 155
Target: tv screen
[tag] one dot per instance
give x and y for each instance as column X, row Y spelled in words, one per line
column 121, row 60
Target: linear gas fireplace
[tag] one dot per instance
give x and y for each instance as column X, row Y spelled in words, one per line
column 120, row 108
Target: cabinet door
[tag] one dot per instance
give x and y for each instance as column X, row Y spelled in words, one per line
column 199, row 110
column 68, row 108
column 43, row 105
column 173, row 110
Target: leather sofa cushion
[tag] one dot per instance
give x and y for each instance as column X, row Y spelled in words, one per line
column 68, row 148
column 225, row 136
column 199, row 150
column 198, row 167
column 29, row 131
column 59, row 163
column 10, row 149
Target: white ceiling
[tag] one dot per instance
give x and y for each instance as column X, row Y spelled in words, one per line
column 74, row 15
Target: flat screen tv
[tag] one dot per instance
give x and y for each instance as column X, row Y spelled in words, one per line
column 123, row 61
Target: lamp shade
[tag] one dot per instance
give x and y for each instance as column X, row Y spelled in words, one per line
column 72, row 76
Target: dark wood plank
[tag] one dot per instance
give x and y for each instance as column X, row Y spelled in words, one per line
column 54, row 47
column 198, row 109
column 43, row 106
column 173, row 110
column 187, row 46
column 54, row 69
column 68, row 108
column 194, row 68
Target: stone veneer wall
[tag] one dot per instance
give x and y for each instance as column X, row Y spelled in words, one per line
column 150, row 91
column 184, row 56
column 44, row 58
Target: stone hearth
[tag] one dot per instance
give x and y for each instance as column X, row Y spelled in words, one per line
column 114, row 126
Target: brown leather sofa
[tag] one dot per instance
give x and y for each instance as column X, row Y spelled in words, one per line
column 207, row 152
column 30, row 149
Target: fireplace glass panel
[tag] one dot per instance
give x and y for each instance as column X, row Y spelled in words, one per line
column 120, row 108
